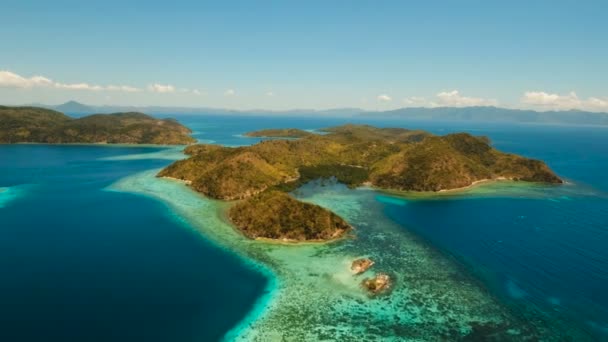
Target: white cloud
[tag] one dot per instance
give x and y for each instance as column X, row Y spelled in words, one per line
column 454, row 99
column 78, row 86
column 198, row 92
column 448, row 99
column 11, row 80
column 229, row 92
column 383, row 98
column 270, row 94
column 161, row 88
column 548, row 101
column 594, row 103
column 127, row 89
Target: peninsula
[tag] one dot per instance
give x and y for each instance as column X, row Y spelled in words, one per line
column 261, row 175
column 39, row 125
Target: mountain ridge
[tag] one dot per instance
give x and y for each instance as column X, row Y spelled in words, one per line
column 474, row 113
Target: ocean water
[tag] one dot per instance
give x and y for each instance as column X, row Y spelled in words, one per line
column 93, row 245
column 79, row 263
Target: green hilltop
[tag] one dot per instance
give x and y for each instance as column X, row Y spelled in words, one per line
column 386, row 158
column 39, row 125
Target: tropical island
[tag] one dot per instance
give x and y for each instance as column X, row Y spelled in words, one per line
column 279, row 133
column 260, row 176
column 39, row 125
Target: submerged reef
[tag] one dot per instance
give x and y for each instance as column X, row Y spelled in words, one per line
column 9, row 194
column 386, row 158
column 40, row 125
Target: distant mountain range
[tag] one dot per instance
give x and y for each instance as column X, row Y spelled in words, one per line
column 479, row 114
column 494, row 114
column 77, row 109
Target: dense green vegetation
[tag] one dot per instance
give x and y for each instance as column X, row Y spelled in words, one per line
column 388, row 158
column 38, row 125
column 279, row 133
column 277, row 215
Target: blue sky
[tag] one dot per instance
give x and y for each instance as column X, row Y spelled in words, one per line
column 306, row 54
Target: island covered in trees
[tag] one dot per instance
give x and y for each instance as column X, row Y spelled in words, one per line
column 261, row 176
column 279, row 133
column 39, row 125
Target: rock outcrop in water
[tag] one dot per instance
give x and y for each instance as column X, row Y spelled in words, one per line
column 361, row 265
column 387, row 158
column 39, row 125
column 380, row 283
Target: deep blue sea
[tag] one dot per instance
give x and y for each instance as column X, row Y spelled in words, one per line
column 79, row 263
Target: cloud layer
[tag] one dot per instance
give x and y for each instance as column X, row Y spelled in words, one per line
column 12, row 80
column 161, row 88
column 544, row 100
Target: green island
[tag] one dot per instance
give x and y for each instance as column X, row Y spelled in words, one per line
column 260, row 176
column 39, row 125
column 279, row 133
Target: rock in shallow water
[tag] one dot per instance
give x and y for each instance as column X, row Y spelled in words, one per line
column 380, row 283
column 361, row 265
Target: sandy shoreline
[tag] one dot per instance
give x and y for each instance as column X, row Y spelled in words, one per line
column 477, row 183
column 445, row 192
column 187, row 182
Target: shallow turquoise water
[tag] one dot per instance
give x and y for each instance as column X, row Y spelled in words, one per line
column 519, row 261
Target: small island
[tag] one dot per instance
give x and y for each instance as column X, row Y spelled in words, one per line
column 293, row 133
column 261, row 176
column 279, row 133
column 39, row 125
column 276, row 215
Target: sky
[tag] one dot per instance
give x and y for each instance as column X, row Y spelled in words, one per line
column 374, row 55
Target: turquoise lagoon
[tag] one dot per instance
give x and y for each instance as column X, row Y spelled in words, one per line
column 504, row 261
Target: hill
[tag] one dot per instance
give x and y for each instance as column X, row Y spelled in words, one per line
column 276, row 215
column 74, row 107
column 39, row 125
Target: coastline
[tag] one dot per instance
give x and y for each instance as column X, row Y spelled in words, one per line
column 291, row 242
column 186, row 182
column 498, row 186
